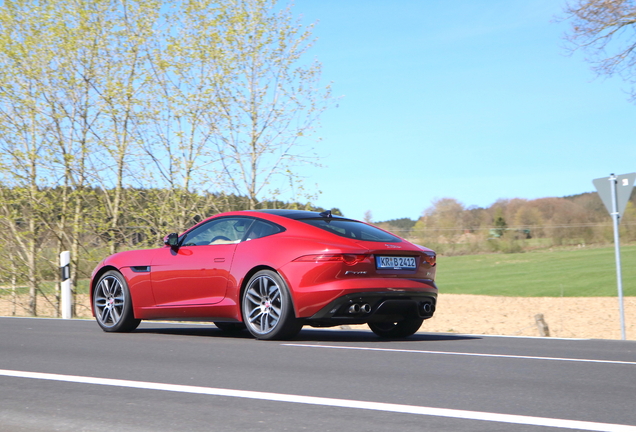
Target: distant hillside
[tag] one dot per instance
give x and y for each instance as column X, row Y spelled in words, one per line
column 515, row 225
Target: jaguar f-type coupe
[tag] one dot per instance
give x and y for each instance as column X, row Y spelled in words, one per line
column 271, row 271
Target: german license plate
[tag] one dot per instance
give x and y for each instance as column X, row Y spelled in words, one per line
column 395, row 262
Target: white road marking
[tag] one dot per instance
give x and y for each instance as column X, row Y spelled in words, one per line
column 461, row 354
column 324, row 401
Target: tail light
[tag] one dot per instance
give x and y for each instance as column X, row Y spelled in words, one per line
column 430, row 259
column 348, row 259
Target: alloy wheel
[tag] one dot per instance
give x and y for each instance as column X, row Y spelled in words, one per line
column 263, row 304
column 109, row 301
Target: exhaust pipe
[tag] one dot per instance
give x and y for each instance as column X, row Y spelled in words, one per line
column 354, row 308
column 427, row 308
column 357, row 308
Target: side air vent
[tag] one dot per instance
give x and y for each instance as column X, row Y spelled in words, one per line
column 140, row 269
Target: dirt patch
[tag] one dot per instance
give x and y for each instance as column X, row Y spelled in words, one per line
column 45, row 306
column 566, row 317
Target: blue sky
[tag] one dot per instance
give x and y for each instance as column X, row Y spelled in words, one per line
column 469, row 99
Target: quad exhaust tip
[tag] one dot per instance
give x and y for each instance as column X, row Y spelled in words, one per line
column 357, row 308
column 427, row 308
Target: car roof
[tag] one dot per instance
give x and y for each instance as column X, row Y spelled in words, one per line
column 299, row 214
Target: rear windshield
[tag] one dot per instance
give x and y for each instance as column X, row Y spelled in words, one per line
column 352, row 229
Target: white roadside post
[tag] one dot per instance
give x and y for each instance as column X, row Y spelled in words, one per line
column 65, row 271
column 617, row 252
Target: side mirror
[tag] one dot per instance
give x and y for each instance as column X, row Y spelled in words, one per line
column 171, row 240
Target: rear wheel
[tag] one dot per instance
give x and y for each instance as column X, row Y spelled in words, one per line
column 112, row 304
column 267, row 306
column 398, row 329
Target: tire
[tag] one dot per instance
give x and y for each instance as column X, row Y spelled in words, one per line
column 268, row 311
column 230, row 326
column 400, row 329
column 112, row 304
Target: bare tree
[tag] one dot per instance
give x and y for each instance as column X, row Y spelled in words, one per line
column 123, row 88
column 183, row 113
column 71, row 105
column 24, row 135
column 270, row 100
column 606, row 31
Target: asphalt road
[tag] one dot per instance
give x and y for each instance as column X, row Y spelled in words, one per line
column 71, row 376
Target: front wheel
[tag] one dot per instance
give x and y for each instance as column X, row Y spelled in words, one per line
column 267, row 306
column 112, row 304
column 400, row 329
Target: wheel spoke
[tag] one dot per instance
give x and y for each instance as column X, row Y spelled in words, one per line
column 104, row 315
column 253, row 296
column 265, row 323
column 275, row 295
column 253, row 311
column 115, row 288
column 100, row 291
column 100, row 301
column 106, row 287
column 262, row 286
column 116, row 315
column 255, row 315
column 119, row 301
column 275, row 312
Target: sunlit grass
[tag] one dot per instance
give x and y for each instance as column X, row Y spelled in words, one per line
column 584, row 272
column 46, row 288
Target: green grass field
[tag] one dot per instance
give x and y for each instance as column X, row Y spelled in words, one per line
column 47, row 288
column 585, row 272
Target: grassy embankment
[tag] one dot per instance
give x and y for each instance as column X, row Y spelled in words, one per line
column 584, row 272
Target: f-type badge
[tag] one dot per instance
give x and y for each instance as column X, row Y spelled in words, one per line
column 355, row 273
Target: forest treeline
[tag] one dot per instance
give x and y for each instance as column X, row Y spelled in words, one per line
column 515, row 225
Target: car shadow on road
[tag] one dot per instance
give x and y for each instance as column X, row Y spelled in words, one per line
column 199, row 330
column 306, row 335
column 320, row 335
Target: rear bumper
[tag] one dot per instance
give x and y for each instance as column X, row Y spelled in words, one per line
column 382, row 306
column 309, row 300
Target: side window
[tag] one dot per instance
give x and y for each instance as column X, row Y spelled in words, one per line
column 220, row 231
column 262, row 229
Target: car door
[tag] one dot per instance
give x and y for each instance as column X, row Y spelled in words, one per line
column 196, row 273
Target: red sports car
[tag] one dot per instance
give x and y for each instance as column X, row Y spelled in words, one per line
column 271, row 271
